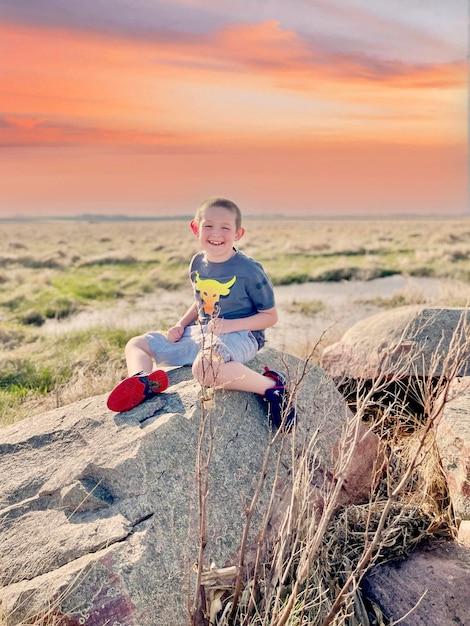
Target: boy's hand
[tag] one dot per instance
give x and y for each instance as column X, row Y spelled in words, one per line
column 175, row 333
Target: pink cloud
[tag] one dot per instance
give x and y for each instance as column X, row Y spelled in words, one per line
column 23, row 122
column 268, row 49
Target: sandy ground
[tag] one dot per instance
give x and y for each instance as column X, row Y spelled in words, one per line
column 342, row 308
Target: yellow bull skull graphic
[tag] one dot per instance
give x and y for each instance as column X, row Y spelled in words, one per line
column 210, row 291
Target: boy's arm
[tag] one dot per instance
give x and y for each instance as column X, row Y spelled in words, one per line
column 258, row 321
column 176, row 332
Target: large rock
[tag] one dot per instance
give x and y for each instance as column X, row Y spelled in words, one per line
column 407, row 341
column 429, row 588
column 410, row 343
column 100, row 511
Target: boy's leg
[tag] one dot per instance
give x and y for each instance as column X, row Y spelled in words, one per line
column 270, row 385
column 141, row 353
column 213, row 372
column 239, row 377
column 139, row 357
column 142, row 382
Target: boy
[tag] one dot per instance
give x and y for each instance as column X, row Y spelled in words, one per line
column 221, row 331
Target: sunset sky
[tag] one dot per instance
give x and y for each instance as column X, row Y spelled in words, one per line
column 294, row 107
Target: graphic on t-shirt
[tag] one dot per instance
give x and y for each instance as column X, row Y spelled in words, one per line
column 210, row 291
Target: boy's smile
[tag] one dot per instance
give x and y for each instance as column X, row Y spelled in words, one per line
column 217, row 232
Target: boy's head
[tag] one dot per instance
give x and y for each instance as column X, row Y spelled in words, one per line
column 222, row 202
column 217, row 224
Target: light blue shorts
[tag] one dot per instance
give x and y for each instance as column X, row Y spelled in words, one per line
column 241, row 346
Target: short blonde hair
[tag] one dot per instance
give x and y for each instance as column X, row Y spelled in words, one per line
column 222, row 202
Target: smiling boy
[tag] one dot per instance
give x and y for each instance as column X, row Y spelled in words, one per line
column 221, row 331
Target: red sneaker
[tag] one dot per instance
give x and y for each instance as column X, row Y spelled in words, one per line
column 135, row 389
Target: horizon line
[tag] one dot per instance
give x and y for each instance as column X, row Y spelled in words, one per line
column 123, row 217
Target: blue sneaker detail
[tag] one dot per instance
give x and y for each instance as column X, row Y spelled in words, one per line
column 281, row 411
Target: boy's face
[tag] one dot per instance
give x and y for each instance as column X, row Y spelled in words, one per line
column 217, row 232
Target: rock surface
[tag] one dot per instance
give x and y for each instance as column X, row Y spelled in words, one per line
column 430, row 587
column 100, row 511
column 453, row 443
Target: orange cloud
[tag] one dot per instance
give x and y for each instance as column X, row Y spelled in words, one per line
column 248, row 83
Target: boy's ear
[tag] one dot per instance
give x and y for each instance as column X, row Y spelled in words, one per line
column 194, row 227
column 239, row 234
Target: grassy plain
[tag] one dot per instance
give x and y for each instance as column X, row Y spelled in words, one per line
column 55, row 270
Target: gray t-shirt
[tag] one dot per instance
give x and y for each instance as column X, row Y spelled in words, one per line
column 233, row 289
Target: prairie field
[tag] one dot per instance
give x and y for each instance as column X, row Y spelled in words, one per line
column 73, row 292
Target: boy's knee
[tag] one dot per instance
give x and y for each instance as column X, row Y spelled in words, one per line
column 137, row 343
column 205, row 369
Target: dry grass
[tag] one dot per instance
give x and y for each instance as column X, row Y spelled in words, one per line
column 313, row 572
